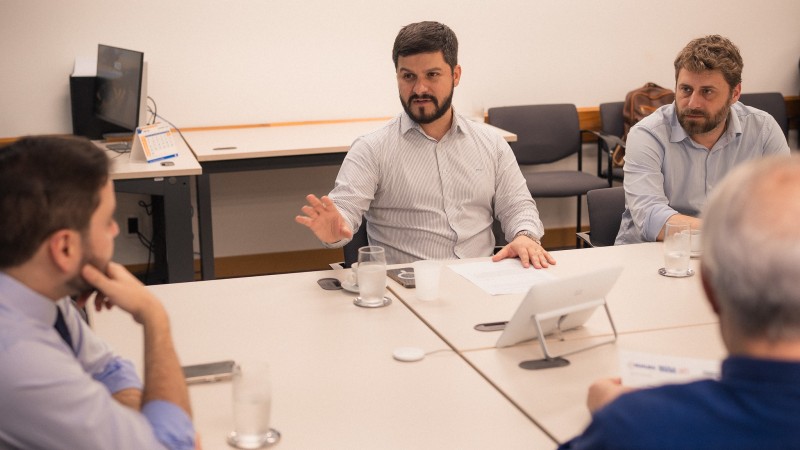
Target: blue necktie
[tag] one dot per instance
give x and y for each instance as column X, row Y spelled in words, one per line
column 61, row 327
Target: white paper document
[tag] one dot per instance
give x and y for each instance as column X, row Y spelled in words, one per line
column 639, row 370
column 502, row 277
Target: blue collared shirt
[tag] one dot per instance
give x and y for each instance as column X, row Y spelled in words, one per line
column 56, row 396
column 755, row 405
column 429, row 199
column 667, row 173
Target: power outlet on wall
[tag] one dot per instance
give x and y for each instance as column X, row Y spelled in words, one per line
column 132, row 226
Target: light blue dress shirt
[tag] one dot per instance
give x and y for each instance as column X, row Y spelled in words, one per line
column 667, row 173
column 54, row 396
column 429, row 199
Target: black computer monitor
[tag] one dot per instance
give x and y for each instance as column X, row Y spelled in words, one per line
column 120, row 97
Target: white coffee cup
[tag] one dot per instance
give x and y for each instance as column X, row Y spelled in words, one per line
column 427, row 275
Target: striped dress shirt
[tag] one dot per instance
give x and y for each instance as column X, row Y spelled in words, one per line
column 429, row 199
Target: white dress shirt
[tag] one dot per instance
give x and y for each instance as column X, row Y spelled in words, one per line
column 429, row 199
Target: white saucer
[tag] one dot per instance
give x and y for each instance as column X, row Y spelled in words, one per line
column 349, row 286
column 663, row 271
column 386, row 302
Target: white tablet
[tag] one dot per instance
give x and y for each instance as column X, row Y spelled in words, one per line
column 560, row 293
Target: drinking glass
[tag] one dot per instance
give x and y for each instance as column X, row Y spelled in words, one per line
column 252, row 400
column 371, row 276
column 677, row 249
column 426, row 278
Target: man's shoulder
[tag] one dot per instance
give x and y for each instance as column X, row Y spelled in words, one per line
column 382, row 130
column 749, row 115
column 476, row 127
column 661, row 117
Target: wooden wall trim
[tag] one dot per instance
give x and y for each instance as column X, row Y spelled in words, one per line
column 589, row 117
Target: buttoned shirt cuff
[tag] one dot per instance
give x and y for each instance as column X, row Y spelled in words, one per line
column 536, row 238
column 337, row 244
column 171, row 425
column 656, row 223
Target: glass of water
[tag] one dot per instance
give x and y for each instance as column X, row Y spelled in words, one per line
column 677, row 249
column 252, row 401
column 371, row 276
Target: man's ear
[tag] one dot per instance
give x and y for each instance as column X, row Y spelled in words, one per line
column 456, row 75
column 65, row 250
column 736, row 93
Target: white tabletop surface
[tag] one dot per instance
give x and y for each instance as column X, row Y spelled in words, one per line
column 641, row 299
column 122, row 168
column 334, row 382
column 285, row 140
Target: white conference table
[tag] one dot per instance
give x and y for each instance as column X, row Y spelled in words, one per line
column 652, row 314
column 169, row 184
column 271, row 147
column 334, row 381
column 641, row 299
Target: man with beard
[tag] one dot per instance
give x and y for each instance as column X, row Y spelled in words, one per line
column 60, row 385
column 430, row 181
column 679, row 153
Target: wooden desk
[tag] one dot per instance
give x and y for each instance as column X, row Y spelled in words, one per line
column 269, row 147
column 334, row 382
column 168, row 184
column 641, row 300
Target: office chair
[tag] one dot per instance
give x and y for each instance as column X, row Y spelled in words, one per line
column 612, row 127
column 351, row 248
column 771, row 102
column 546, row 134
column 605, row 215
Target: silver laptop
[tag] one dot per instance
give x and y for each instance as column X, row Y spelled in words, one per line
column 562, row 293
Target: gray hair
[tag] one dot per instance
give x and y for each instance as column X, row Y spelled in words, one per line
column 751, row 248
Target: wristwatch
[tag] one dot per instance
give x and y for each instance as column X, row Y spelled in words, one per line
column 528, row 235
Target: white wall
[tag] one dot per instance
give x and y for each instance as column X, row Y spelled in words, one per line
column 255, row 61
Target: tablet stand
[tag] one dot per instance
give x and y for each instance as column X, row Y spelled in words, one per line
column 550, row 360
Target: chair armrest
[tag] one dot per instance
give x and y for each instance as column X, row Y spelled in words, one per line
column 609, row 141
column 586, row 237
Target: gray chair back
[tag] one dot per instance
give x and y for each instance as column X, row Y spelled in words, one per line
column 605, row 214
column 611, row 119
column 771, row 102
column 545, row 133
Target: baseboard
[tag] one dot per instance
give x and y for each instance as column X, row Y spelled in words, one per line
column 319, row 259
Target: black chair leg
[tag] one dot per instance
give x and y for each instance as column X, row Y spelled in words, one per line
column 578, row 228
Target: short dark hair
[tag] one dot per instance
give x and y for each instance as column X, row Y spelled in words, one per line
column 47, row 183
column 426, row 37
column 712, row 52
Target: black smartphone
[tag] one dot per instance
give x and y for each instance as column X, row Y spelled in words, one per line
column 403, row 275
column 209, row 372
